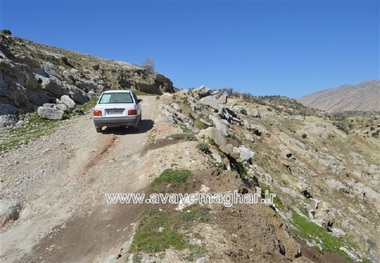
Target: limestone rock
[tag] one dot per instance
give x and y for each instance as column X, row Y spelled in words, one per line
column 244, row 153
column 65, row 99
column 51, row 113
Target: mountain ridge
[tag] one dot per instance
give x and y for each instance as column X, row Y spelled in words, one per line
column 364, row 96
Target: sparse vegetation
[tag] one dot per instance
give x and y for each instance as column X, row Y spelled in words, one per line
column 172, row 176
column 203, row 147
column 33, row 128
column 196, row 252
column 309, row 230
column 200, row 125
column 159, row 230
column 148, row 65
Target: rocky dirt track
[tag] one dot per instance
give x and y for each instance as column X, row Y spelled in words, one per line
column 60, row 181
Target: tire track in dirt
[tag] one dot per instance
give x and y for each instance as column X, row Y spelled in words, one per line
column 87, row 158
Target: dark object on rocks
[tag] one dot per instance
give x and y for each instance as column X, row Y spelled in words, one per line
column 255, row 181
column 243, row 189
column 306, row 194
column 247, row 182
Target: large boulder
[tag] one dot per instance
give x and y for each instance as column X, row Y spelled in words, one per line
column 78, row 95
column 243, row 154
column 51, row 85
column 68, row 102
column 214, row 101
column 50, row 112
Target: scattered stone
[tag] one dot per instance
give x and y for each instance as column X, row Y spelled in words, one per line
column 50, row 113
column 244, row 154
column 65, row 99
column 9, row 211
column 7, row 120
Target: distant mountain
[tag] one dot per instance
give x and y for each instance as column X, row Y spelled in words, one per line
column 362, row 97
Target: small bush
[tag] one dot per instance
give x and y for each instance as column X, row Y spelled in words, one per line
column 148, row 65
column 200, row 125
column 190, row 137
column 203, row 147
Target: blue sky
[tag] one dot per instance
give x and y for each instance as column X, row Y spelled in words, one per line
column 274, row 47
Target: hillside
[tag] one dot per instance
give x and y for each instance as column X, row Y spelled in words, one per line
column 362, row 97
column 33, row 74
column 324, row 170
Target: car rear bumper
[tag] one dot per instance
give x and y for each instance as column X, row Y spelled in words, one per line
column 116, row 121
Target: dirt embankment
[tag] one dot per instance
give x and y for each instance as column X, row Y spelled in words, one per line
column 61, row 179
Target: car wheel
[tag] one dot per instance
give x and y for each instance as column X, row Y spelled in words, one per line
column 136, row 128
column 98, row 129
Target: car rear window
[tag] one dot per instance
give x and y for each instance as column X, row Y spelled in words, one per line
column 116, row 98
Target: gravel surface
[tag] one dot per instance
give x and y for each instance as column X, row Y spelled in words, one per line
column 60, row 181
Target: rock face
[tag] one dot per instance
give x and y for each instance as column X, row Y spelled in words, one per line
column 32, row 74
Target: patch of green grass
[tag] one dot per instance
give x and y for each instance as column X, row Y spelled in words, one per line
column 309, row 230
column 172, row 176
column 196, row 252
column 160, row 230
column 276, row 200
column 33, row 129
column 196, row 215
column 157, row 232
column 190, row 137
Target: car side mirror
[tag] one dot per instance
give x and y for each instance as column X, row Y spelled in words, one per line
column 140, row 100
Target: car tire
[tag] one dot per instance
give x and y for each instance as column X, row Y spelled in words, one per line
column 137, row 127
column 98, row 129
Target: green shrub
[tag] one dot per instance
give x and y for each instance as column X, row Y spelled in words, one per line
column 190, row 137
column 203, row 147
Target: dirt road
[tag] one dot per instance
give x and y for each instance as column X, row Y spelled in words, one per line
column 61, row 181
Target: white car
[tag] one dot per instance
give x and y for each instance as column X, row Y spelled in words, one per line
column 116, row 108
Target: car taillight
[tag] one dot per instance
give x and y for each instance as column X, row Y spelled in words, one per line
column 97, row 113
column 132, row 112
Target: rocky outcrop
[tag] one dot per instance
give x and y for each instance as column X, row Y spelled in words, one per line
column 309, row 164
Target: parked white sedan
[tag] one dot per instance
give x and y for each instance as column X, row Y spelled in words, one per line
column 117, row 108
